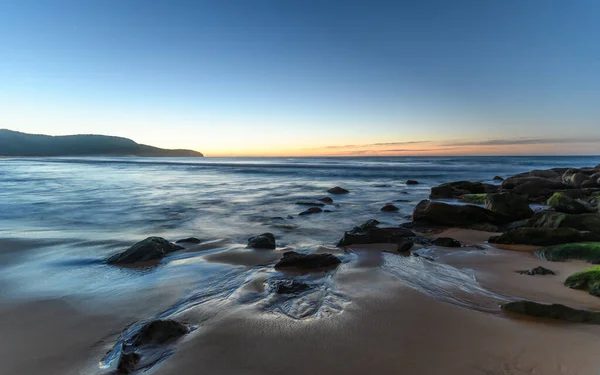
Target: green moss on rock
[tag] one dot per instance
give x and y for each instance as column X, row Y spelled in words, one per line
column 586, row 251
column 563, row 203
column 474, row 198
column 588, row 280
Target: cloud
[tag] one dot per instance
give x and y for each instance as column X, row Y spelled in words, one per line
column 367, row 145
column 521, row 141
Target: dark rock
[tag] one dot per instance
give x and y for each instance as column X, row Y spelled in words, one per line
column 533, row 186
column 310, row 211
column 262, row 241
column 550, row 219
column 537, row 271
column 446, row 242
column 312, row 204
column 591, row 183
column 307, row 261
column 189, row 240
column 466, row 216
column 327, row 211
column 326, row 200
column 402, row 200
column 458, row 188
column 563, row 203
column 574, row 177
column 498, row 178
column 368, row 233
column 554, row 311
column 543, row 236
column 337, row 190
column 285, row 286
column 389, row 208
column 405, row 245
column 586, row 251
column 160, row 332
column 127, row 362
column 152, row 248
column 513, row 206
column 412, row 182
column 474, row 198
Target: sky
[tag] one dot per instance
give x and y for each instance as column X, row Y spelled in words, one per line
column 295, row 78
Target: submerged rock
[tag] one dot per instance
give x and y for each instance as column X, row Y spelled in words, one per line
column 326, row 200
column 307, row 261
column 513, row 206
column 412, row 182
column 310, row 211
column 152, row 248
column 189, row 240
column 498, row 178
column 285, row 286
column 563, row 203
column 543, row 236
column 160, row 331
column 127, row 362
column 312, row 204
column 466, row 216
column 368, row 233
column 446, row 242
column 459, row 188
column 554, row 311
column 537, row 271
column 262, row 241
column 337, row 190
column 389, row 208
column 588, row 280
column 586, row 251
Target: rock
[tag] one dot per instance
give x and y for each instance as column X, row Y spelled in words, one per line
column 262, row 241
column 591, row 183
column 554, row 311
column 586, row 251
column 389, row 208
column 466, row 216
column 563, row 203
column 307, row 261
column 152, row 248
column 326, row 200
column 533, row 186
column 543, row 236
column 574, row 177
column 550, row 219
column 473, row 198
column 498, row 178
column 327, row 211
column 446, row 242
column 513, row 206
column 284, row 286
column 189, row 240
column 312, row 204
column 160, row 331
column 412, row 182
column 588, row 280
column 537, row 271
column 368, row 233
column 127, row 362
column 337, row 190
column 458, row 188
column 405, row 245
column 310, row 211
column 597, row 167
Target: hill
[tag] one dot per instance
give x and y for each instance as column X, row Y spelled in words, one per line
column 13, row 143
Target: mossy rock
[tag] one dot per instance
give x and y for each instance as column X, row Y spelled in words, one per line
column 474, row 198
column 554, row 311
column 586, row 251
column 563, row 203
column 543, row 236
column 549, row 219
column 588, row 280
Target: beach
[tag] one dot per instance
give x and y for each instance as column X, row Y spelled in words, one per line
column 432, row 310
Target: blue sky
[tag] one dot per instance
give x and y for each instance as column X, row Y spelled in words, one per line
column 297, row 77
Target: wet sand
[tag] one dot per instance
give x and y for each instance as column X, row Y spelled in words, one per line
column 382, row 326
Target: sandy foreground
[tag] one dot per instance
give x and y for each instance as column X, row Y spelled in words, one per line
column 382, row 325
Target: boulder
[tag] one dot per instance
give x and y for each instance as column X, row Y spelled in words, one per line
column 537, row 271
column 563, row 203
column 498, row 178
column 533, row 186
column 287, row 286
column 368, row 233
column 310, row 211
column 311, row 204
column 513, row 206
column 307, row 261
column 412, row 182
column 554, row 311
column 127, row 362
column 591, row 183
column 586, row 251
column 573, row 177
column 337, row 190
column 466, row 216
column 588, row 280
column 543, row 236
column 326, row 200
column 473, row 198
column 152, row 248
column 405, row 245
column 262, row 241
column 189, row 240
column 389, row 208
column 446, row 242
column 159, row 332
column 551, row 219
column 458, row 188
